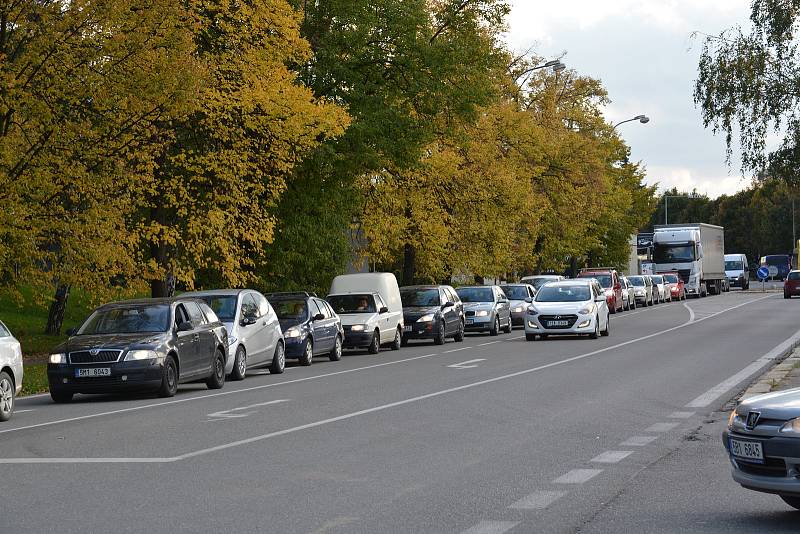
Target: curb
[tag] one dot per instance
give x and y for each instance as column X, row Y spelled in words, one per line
column 771, row 380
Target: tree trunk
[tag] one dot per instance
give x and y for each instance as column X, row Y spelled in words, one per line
column 164, row 287
column 409, row 264
column 55, row 318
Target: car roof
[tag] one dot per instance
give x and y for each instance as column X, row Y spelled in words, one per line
column 514, row 284
column 476, row 287
column 423, row 287
column 211, row 292
column 151, row 301
column 354, row 293
column 571, row 282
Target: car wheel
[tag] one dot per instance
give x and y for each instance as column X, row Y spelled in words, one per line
column 7, row 393
column 375, row 344
column 169, row 378
column 239, row 364
column 278, row 360
column 596, row 333
column 217, row 378
column 60, row 397
column 607, row 331
column 496, row 328
column 336, row 353
column 509, row 327
column 398, row 339
column 459, row 337
column 530, row 337
column 439, row 339
column 791, row 500
column 633, row 304
column 308, row 352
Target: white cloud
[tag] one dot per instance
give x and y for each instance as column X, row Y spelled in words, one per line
column 685, row 179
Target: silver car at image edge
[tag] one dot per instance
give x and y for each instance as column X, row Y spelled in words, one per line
column 763, row 443
column 10, row 372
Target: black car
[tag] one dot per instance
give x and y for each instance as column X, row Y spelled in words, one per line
column 310, row 326
column 151, row 344
column 432, row 312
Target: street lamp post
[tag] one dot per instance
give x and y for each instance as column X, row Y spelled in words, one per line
column 644, row 119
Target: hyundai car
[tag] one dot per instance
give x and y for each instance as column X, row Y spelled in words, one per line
column 570, row 307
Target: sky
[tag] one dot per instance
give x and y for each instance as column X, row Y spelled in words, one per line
column 644, row 53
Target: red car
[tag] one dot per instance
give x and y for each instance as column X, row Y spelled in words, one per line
column 609, row 280
column 675, row 283
column 791, row 286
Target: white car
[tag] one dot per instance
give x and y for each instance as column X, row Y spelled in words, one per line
column 254, row 331
column 568, row 307
column 10, row 372
column 661, row 288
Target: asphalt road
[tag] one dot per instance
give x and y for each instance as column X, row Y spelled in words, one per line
column 486, row 436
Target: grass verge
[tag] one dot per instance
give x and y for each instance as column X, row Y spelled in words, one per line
column 35, row 379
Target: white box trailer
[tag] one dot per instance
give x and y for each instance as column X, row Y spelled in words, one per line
column 695, row 251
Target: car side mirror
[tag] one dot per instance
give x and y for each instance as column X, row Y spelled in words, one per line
column 247, row 321
column 318, row 317
column 448, row 304
column 384, row 310
column 529, row 300
column 185, row 326
column 72, row 331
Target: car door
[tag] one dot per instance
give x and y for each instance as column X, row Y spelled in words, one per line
column 459, row 306
column 268, row 326
column 320, row 327
column 503, row 306
column 252, row 329
column 186, row 342
column 385, row 325
column 205, row 340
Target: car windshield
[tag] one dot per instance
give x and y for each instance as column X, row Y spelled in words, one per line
column 795, row 275
column 671, row 278
column 291, row 309
column 779, row 260
column 604, row 279
column 538, row 282
column 133, row 319
column 636, row 280
column 554, row 293
column 419, row 297
column 515, row 292
column 675, row 253
column 222, row 305
column 475, row 294
column 734, row 266
column 352, row 303
column 658, row 280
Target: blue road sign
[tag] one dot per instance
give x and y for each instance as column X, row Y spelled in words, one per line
column 763, row 273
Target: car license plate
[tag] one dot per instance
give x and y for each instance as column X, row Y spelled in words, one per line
column 407, row 328
column 92, row 371
column 470, row 321
column 747, row 450
column 557, row 323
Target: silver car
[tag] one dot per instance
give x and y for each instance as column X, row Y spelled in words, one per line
column 628, row 296
column 660, row 289
column 254, row 332
column 486, row 309
column 10, row 372
column 519, row 296
column 571, row 307
column 642, row 289
column 763, row 443
column 538, row 280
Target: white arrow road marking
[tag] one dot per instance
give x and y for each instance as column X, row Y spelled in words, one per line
column 466, row 364
column 226, row 414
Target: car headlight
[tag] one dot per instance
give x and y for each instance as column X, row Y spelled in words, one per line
column 357, row 328
column 532, row 311
column 791, row 427
column 481, row 313
column 232, row 340
column 294, row 332
column 735, row 418
column 518, row 309
column 425, row 318
column 587, row 310
column 58, row 358
column 138, row 355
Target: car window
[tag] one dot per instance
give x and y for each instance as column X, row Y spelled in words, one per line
column 794, row 275
column 4, row 331
column 249, row 307
column 475, row 294
column 419, row 297
column 452, row 295
column 442, row 297
column 291, row 309
column 208, row 312
column 564, row 293
column 358, row 303
column 516, row 292
column 224, row 306
column 317, row 308
column 261, row 302
column 379, row 302
column 180, row 315
column 195, row 314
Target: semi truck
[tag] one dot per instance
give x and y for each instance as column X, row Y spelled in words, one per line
column 696, row 252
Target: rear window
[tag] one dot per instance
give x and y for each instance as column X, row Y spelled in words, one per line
column 794, row 276
column 515, row 292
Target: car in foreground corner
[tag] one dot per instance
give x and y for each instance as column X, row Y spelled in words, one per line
column 570, row 307
column 149, row 344
column 10, row 372
column 763, row 444
column 791, row 287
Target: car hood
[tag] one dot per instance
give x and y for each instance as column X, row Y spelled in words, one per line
column 108, row 341
column 349, row 319
column 478, row 305
column 415, row 312
column 286, row 324
column 516, row 303
column 560, row 308
column 734, row 274
column 782, row 405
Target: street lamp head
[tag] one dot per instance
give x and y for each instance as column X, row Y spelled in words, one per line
column 558, row 67
column 551, row 63
column 643, row 119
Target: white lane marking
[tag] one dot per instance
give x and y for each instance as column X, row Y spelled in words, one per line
column 211, row 395
column 577, row 476
column 611, row 457
column 491, row 527
column 661, row 427
column 538, row 500
column 492, row 342
column 723, row 387
column 638, row 441
column 456, row 350
column 35, row 460
column 681, row 415
column 227, row 414
column 466, row 364
column 23, row 411
column 691, row 312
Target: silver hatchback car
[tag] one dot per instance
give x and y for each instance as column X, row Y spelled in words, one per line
column 10, row 372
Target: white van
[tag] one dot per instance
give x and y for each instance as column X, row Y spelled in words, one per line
column 370, row 308
column 737, row 271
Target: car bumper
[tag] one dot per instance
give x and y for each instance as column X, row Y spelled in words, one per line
column 675, row 292
column 124, row 376
column 640, row 298
column 354, row 340
column 779, row 474
column 792, row 290
column 736, row 282
column 417, row 330
column 478, row 324
column 294, row 347
column 584, row 325
column 518, row 318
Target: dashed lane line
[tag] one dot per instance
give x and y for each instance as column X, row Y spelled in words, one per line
column 611, row 457
column 681, row 415
column 638, row 441
column 661, row 427
column 577, row 476
column 538, row 500
column 491, row 527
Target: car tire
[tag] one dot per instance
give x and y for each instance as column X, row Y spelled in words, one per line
column 596, row 333
column 398, row 339
column 530, row 337
column 217, row 378
column 278, row 360
column 633, row 304
column 440, row 332
column 60, row 397
column 375, row 344
column 336, row 351
column 459, row 337
column 239, row 364
column 169, row 378
column 607, row 331
column 308, row 353
column 496, row 328
column 791, row 500
column 509, row 327
column 7, row 396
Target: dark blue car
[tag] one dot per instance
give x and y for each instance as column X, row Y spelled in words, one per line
column 310, row 326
